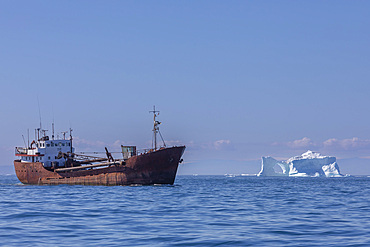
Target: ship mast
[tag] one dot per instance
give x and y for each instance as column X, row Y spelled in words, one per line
column 156, row 129
column 70, row 138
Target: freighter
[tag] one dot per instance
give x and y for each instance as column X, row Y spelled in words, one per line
column 49, row 161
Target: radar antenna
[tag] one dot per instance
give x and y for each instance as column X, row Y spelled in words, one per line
column 44, row 132
column 64, row 134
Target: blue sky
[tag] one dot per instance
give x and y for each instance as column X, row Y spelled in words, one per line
column 234, row 80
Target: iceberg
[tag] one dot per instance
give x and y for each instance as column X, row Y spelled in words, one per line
column 309, row 164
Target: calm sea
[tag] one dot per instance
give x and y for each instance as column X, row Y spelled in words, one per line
column 196, row 211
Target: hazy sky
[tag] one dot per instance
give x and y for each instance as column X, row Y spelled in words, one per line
column 234, row 80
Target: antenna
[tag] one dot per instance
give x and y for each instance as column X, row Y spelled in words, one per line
column 64, row 134
column 38, row 103
column 28, row 140
column 24, row 141
column 52, row 125
column 70, row 136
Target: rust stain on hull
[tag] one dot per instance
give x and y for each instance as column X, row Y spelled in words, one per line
column 157, row 167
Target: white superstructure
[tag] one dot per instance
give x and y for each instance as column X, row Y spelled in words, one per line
column 45, row 151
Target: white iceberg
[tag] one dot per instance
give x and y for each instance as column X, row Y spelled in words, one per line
column 309, row 164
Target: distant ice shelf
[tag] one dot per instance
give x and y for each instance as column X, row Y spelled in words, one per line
column 309, row 164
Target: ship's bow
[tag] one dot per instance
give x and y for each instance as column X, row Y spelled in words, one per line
column 159, row 167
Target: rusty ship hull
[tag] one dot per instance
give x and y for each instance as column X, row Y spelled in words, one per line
column 157, row 167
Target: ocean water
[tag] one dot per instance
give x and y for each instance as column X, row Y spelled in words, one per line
column 196, row 211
